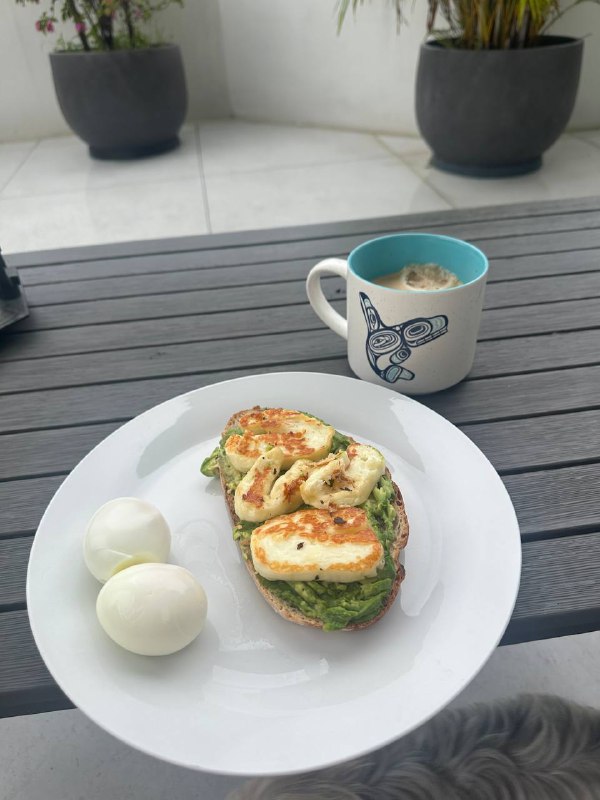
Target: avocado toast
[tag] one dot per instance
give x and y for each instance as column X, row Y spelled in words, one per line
column 318, row 519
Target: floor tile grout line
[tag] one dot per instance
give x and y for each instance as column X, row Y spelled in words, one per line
column 424, row 178
column 580, row 136
column 393, row 152
column 36, row 143
column 309, row 165
column 204, row 188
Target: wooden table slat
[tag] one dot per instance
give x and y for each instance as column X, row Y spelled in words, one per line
column 22, row 504
column 571, row 315
column 553, row 351
column 198, row 357
column 257, row 351
column 520, row 395
column 524, row 444
column 26, row 686
column 14, row 555
column 207, row 302
column 210, row 306
column 556, row 501
column 150, row 265
column 498, row 294
column 541, row 611
column 493, row 357
column 153, row 332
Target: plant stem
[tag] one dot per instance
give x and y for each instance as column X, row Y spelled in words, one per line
column 129, row 22
column 78, row 18
column 106, row 31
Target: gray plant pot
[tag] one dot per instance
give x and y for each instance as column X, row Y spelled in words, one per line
column 494, row 112
column 122, row 103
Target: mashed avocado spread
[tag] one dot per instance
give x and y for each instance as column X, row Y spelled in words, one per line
column 334, row 604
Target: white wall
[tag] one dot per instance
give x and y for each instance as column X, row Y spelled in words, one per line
column 285, row 62
column 585, row 21
column 28, row 108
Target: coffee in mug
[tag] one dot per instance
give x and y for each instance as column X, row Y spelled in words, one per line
column 419, row 278
column 415, row 341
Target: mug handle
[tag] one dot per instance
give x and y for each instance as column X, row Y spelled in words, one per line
column 321, row 306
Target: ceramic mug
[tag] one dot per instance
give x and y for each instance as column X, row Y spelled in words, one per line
column 412, row 341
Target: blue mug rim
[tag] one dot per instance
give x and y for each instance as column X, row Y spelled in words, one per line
column 420, row 235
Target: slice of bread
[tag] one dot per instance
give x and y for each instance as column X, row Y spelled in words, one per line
column 286, row 610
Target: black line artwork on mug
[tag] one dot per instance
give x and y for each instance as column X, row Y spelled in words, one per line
column 389, row 346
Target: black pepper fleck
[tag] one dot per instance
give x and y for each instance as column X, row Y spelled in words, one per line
column 339, row 521
column 300, row 545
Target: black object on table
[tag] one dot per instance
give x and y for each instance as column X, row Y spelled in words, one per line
column 116, row 329
column 13, row 305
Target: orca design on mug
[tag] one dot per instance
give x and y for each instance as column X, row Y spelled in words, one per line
column 415, row 341
column 388, row 346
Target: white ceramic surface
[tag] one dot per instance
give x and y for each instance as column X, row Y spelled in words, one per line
column 255, row 694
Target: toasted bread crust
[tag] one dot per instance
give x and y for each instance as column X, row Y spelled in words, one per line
column 292, row 614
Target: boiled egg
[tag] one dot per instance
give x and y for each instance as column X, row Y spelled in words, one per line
column 124, row 532
column 152, row 609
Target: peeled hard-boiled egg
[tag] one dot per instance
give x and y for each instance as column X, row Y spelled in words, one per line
column 124, row 532
column 152, row 609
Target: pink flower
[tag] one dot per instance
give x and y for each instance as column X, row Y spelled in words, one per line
column 80, row 27
column 50, row 26
column 38, row 26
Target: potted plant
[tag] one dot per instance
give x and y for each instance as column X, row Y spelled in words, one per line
column 120, row 92
column 494, row 90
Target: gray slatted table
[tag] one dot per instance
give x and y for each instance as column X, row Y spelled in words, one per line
column 116, row 329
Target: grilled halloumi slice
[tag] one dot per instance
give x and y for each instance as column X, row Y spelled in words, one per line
column 346, row 480
column 314, row 544
column 261, row 494
column 298, row 435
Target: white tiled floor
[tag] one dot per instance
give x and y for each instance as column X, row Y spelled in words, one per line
column 233, row 175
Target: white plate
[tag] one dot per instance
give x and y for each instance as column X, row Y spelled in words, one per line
column 255, row 694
